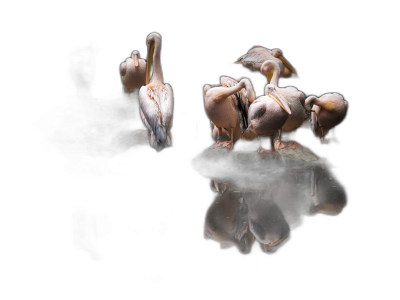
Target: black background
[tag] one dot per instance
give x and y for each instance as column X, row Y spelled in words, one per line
column 149, row 207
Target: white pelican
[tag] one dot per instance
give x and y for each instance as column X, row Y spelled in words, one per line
column 222, row 107
column 256, row 56
column 267, row 115
column 327, row 111
column 293, row 96
column 133, row 72
column 156, row 99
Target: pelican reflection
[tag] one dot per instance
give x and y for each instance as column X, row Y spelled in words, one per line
column 253, row 208
column 227, row 218
column 328, row 195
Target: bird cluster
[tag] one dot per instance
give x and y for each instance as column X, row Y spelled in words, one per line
column 236, row 113
column 233, row 108
column 156, row 99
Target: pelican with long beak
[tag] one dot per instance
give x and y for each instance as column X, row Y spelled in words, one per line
column 293, row 96
column 267, row 114
column 327, row 111
column 156, row 99
column 256, row 56
column 226, row 107
column 133, row 72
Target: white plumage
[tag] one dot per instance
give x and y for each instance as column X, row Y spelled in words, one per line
column 156, row 99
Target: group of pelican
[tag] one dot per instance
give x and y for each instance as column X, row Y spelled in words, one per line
column 232, row 107
column 235, row 112
column 156, row 99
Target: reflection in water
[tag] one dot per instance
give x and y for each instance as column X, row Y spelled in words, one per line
column 261, row 199
column 227, row 221
column 328, row 195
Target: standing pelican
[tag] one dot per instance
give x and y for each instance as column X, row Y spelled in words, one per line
column 256, row 56
column 267, row 114
column 226, row 111
column 327, row 111
column 156, row 99
column 133, row 72
column 293, row 96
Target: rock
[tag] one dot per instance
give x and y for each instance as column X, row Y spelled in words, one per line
column 300, row 156
column 247, row 161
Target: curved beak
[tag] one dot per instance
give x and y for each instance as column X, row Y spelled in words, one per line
column 287, row 64
column 281, row 101
column 150, row 52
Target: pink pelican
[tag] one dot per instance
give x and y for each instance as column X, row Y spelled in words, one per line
column 133, row 72
column 227, row 106
column 293, row 96
column 156, row 99
column 327, row 111
column 256, row 56
column 267, row 114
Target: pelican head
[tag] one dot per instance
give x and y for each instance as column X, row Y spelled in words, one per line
column 279, row 54
column 271, row 69
column 276, row 52
column 135, row 57
column 271, row 92
column 152, row 40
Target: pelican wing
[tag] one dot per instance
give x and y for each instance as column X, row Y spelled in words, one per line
column 167, row 107
column 257, row 109
column 149, row 102
column 255, row 56
column 241, row 101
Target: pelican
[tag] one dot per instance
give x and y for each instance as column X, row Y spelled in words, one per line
column 293, row 96
column 156, row 99
column 226, row 111
column 256, row 56
column 327, row 111
column 267, row 114
column 133, row 72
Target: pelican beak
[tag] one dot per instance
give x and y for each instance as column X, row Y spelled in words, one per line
column 287, row 64
column 281, row 101
column 135, row 59
column 150, row 52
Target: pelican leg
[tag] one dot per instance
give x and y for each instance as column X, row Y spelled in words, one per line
column 279, row 144
column 323, row 141
column 273, row 151
column 218, row 143
column 230, row 143
column 262, row 153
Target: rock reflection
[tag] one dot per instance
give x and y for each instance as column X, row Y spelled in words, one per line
column 263, row 200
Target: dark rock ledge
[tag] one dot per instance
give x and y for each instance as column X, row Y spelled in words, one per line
column 244, row 158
